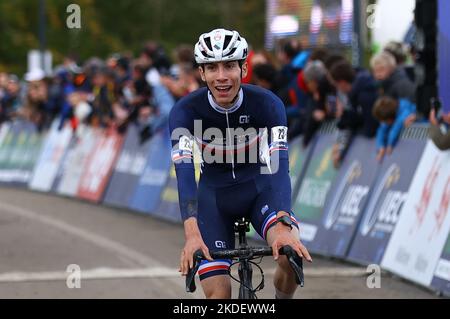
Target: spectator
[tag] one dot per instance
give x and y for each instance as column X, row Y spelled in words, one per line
column 11, row 100
column 287, row 51
column 357, row 93
column 37, row 107
column 393, row 80
column 398, row 51
column 299, row 95
column 391, row 114
column 101, row 98
column 332, row 59
column 440, row 130
column 60, row 90
column 185, row 83
column 265, row 75
column 319, row 89
column 3, row 83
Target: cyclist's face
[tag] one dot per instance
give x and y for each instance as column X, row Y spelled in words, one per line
column 223, row 80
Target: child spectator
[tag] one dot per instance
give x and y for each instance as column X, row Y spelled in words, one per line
column 391, row 114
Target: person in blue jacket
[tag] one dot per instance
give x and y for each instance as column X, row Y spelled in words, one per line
column 392, row 114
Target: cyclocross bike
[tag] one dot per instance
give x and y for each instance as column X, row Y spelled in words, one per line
column 244, row 256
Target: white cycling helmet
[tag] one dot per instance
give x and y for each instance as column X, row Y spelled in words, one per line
column 220, row 45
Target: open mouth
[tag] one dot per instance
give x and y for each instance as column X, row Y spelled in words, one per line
column 223, row 89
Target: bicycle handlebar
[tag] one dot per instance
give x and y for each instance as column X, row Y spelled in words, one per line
column 247, row 253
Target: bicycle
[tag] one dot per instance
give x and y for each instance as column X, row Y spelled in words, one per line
column 244, row 256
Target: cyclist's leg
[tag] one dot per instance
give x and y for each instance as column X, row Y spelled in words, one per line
column 217, row 233
column 263, row 215
column 222, row 207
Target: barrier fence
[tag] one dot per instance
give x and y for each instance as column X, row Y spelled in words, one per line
column 395, row 213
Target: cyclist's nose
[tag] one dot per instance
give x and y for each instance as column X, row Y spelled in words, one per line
column 221, row 73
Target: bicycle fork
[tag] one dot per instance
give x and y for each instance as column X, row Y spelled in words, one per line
column 245, row 273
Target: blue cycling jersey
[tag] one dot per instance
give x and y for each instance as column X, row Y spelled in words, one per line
column 247, row 141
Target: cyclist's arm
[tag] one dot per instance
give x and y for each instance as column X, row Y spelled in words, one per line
column 182, row 157
column 279, row 156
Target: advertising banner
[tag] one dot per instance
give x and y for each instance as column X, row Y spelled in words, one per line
column 31, row 155
column 75, row 162
column 6, row 137
column 168, row 207
column 99, row 165
column 19, row 154
column 128, row 169
column 52, row 152
column 151, row 183
column 422, row 229
column 310, row 199
column 9, row 143
column 298, row 157
column 386, row 201
column 441, row 279
column 346, row 199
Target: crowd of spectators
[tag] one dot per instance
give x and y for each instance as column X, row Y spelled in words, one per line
column 315, row 85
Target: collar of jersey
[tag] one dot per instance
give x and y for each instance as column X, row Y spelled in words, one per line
column 223, row 110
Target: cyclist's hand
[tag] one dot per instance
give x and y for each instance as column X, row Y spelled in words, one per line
column 193, row 243
column 284, row 237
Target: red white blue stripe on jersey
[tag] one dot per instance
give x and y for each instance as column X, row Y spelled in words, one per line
column 216, row 267
column 278, row 146
column 180, row 154
column 269, row 222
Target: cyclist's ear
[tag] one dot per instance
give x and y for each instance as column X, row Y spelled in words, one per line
column 244, row 69
column 201, row 70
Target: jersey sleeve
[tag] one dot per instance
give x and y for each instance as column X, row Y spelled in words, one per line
column 279, row 155
column 180, row 125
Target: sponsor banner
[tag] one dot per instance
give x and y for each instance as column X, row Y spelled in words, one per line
column 148, row 192
column 17, row 160
column 49, row 160
column 128, row 169
column 74, row 163
column 8, row 146
column 168, row 207
column 298, row 157
column 388, row 196
column 346, row 199
column 314, row 187
column 99, row 165
column 32, row 151
column 6, row 137
column 441, row 279
column 422, row 229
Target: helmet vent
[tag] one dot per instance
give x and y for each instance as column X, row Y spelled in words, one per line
column 208, row 43
column 227, row 41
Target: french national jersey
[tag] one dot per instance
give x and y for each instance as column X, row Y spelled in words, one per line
column 243, row 142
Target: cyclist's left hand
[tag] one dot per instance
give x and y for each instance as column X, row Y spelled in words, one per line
column 284, row 237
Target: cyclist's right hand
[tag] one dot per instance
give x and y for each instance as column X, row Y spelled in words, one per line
column 193, row 243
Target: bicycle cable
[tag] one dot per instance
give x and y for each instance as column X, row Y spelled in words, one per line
column 260, row 285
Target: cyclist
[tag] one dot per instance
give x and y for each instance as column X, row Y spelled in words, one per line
column 231, row 122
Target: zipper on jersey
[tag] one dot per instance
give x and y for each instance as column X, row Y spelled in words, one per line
column 232, row 150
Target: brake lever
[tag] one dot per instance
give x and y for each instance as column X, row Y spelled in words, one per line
column 296, row 264
column 190, row 277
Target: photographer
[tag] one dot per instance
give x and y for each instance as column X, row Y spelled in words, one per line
column 440, row 130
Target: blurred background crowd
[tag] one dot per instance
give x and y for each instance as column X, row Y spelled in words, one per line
column 315, row 83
